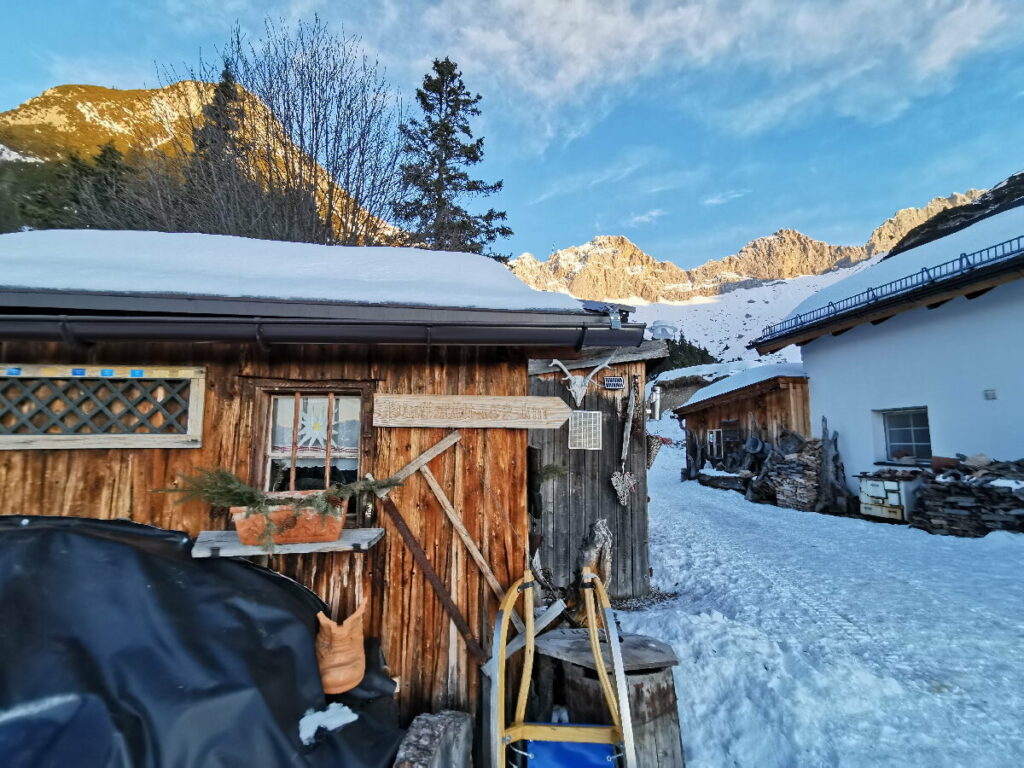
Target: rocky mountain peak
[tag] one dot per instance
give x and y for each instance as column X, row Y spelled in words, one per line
column 80, row 119
column 612, row 267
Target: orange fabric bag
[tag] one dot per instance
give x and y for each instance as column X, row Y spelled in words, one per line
column 340, row 652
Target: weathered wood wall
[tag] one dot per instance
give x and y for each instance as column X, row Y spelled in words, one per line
column 571, row 504
column 484, row 476
column 770, row 408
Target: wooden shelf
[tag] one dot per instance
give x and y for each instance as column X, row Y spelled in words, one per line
column 226, row 544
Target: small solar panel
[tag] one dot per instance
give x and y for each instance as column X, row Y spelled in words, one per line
column 585, row 431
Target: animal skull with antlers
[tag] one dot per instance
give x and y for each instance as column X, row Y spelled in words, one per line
column 578, row 385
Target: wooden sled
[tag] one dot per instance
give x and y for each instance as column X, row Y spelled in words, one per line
column 550, row 745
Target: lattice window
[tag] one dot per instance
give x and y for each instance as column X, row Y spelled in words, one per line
column 585, row 431
column 91, row 407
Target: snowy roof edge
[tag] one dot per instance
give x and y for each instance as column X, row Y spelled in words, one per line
column 738, row 383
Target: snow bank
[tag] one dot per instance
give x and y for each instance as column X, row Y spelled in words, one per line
column 745, row 378
column 811, row 640
column 991, row 231
column 220, row 265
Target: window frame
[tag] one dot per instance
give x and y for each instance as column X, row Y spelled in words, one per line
column 887, row 441
column 715, row 448
column 191, row 438
column 262, row 394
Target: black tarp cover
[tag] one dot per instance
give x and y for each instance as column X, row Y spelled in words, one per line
column 118, row 649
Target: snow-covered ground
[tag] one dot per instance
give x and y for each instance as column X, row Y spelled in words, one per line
column 808, row 640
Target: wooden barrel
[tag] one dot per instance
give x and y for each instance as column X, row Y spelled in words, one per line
column 652, row 693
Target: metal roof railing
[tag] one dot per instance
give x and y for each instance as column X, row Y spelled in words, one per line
column 961, row 265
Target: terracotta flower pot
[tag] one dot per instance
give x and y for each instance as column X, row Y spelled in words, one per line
column 294, row 525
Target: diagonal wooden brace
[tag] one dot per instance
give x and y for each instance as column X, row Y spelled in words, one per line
column 471, row 547
column 431, row 576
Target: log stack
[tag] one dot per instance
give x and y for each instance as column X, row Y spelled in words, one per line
column 972, row 501
column 795, row 477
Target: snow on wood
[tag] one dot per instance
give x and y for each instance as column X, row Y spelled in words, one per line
column 746, row 377
column 221, row 265
column 226, row 544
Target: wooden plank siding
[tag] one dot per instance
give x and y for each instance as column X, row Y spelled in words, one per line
column 571, row 504
column 763, row 410
column 484, row 475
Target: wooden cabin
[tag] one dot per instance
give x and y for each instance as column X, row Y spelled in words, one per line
column 605, row 434
column 762, row 402
column 130, row 358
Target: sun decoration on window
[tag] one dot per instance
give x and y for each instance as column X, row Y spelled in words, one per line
column 313, row 425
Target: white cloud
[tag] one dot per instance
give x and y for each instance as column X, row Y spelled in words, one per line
column 622, row 168
column 721, row 198
column 555, row 68
column 637, row 219
column 563, row 64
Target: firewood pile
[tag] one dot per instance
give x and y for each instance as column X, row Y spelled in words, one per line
column 795, row 477
column 977, row 496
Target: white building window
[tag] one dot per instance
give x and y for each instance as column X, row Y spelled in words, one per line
column 907, row 434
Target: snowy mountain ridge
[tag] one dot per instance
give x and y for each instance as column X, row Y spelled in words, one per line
column 611, row 267
column 723, row 324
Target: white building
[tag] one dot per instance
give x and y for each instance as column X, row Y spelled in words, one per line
column 921, row 354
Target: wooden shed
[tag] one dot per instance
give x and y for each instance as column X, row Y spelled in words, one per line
column 760, row 402
column 127, row 359
column 611, row 410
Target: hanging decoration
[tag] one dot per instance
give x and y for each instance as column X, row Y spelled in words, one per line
column 578, row 385
column 625, row 483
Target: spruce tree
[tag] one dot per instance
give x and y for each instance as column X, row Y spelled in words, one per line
column 439, row 147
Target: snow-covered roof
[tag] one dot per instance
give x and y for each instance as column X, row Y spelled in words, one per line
column 745, row 378
column 987, row 232
column 238, row 267
column 708, row 371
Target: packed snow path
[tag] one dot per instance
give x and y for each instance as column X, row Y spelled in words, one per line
column 809, row 640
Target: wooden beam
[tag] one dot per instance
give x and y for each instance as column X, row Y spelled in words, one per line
column 474, row 648
column 420, row 461
column 975, row 294
column 471, row 547
column 469, row 411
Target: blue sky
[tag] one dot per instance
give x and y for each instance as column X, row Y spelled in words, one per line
column 690, row 127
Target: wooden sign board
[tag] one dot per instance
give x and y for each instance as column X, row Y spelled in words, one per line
column 469, row 411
